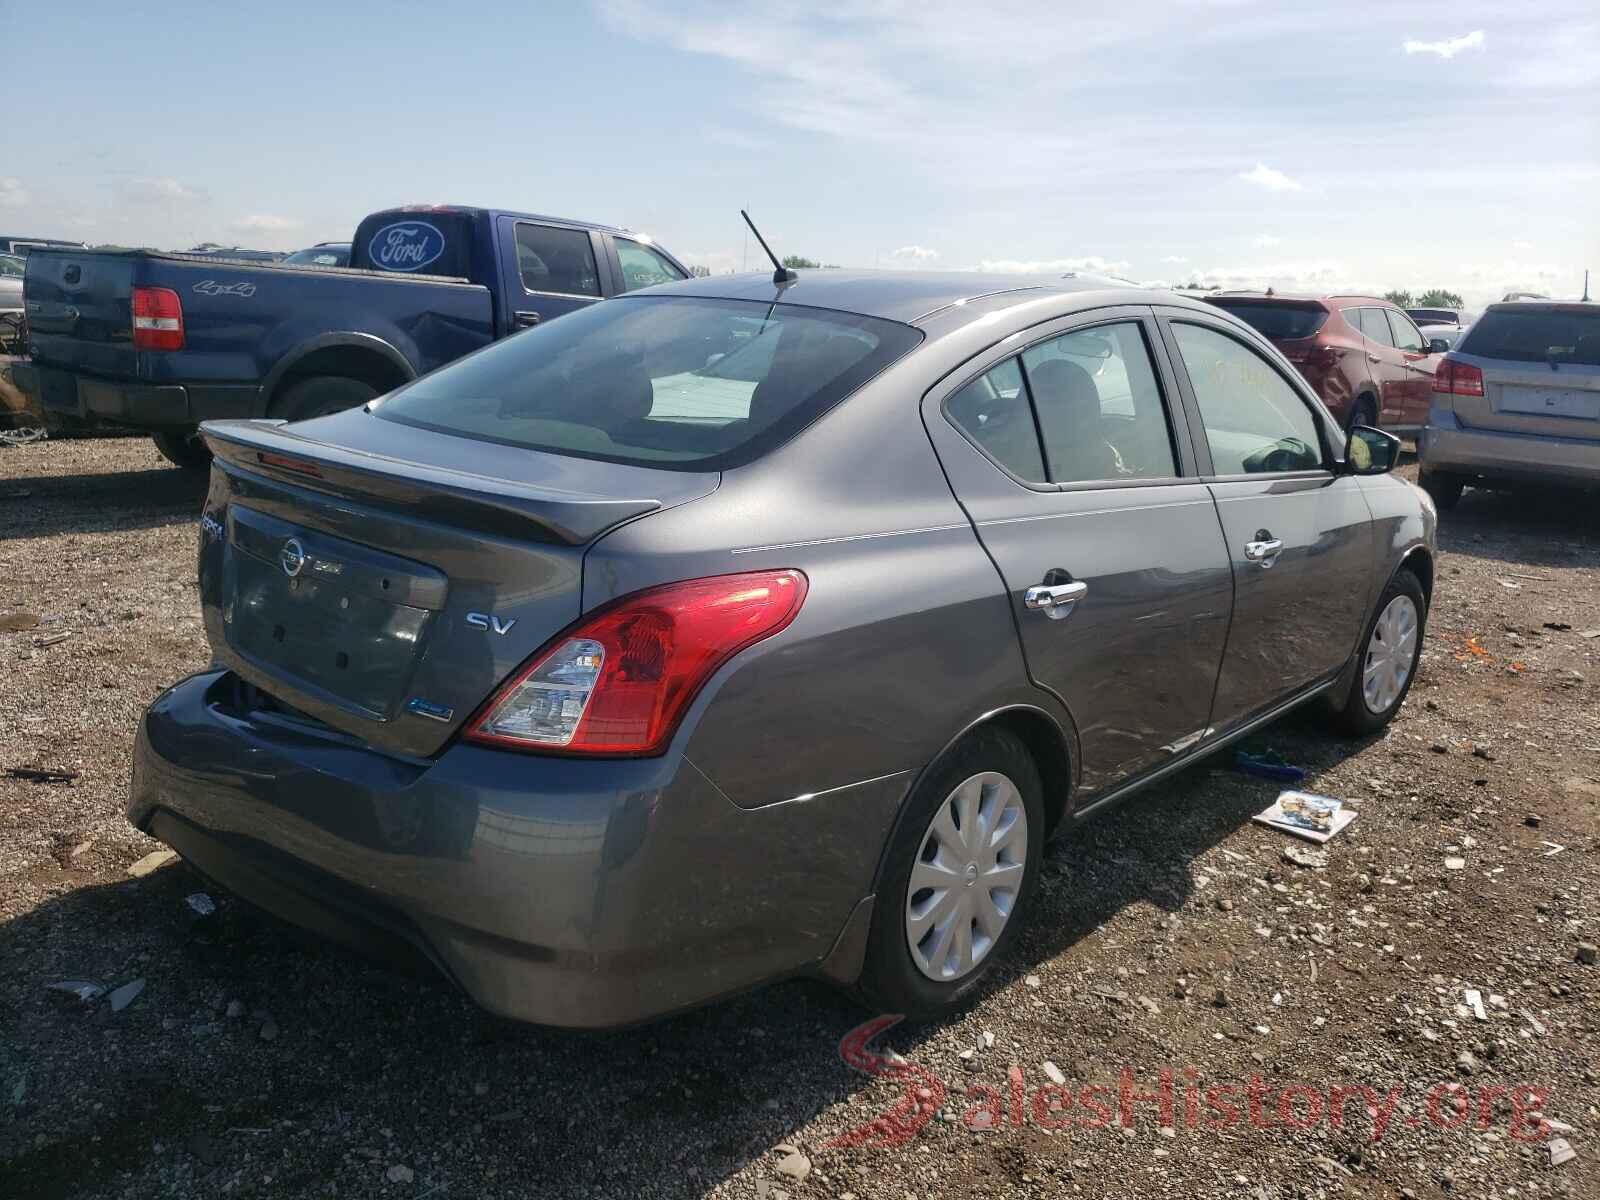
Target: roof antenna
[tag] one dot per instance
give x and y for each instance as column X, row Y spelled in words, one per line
column 781, row 275
column 1586, row 287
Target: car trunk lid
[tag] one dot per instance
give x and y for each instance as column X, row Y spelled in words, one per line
column 383, row 580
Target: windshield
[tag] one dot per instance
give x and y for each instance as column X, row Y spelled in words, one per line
column 1284, row 322
column 1537, row 335
column 660, row 381
column 320, row 256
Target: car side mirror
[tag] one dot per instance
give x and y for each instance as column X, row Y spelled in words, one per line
column 1370, row 451
column 1438, row 346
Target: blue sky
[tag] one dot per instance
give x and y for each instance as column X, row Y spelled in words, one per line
column 1306, row 145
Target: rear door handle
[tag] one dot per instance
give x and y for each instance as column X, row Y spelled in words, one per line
column 1055, row 600
column 1265, row 551
column 1373, row 358
column 526, row 320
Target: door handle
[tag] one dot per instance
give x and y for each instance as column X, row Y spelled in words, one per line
column 1373, row 358
column 1265, row 551
column 525, row 320
column 1055, row 600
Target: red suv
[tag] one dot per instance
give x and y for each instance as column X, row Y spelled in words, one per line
column 1366, row 358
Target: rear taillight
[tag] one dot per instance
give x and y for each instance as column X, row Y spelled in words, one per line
column 157, row 319
column 1454, row 378
column 619, row 681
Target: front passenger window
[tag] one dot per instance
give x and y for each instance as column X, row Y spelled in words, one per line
column 642, row 267
column 1406, row 336
column 1255, row 422
column 993, row 411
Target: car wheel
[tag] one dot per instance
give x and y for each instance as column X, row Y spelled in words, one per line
column 321, row 395
column 957, row 878
column 1389, row 655
column 1443, row 487
column 1363, row 412
column 183, row 448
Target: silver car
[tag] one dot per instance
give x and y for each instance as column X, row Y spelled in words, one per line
column 1516, row 401
column 746, row 627
column 12, row 267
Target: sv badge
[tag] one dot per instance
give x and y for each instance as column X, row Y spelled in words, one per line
column 488, row 622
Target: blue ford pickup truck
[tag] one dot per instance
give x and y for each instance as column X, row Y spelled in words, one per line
column 160, row 342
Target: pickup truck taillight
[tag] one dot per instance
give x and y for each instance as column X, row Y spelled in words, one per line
column 157, row 319
column 1454, row 378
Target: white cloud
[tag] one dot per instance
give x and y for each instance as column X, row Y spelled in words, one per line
column 265, row 223
column 1266, row 240
column 1449, row 47
column 1054, row 266
column 159, row 190
column 1269, row 178
column 1174, row 258
column 1520, row 245
column 12, row 193
column 918, row 254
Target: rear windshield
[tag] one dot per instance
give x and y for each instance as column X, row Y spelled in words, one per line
column 1282, row 321
column 1443, row 316
column 664, row 381
column 428, row 243
column 1536, row 335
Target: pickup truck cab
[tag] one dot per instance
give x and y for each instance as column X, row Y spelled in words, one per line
column 161, row 342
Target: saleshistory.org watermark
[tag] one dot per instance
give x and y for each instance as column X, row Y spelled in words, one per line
column 1174, row 1098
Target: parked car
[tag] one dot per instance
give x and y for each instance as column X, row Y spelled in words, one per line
column 20, row 246
column 11, row 267
column 160, row 342
column 1448, row 334
column 736, row 630
column 1366, row 359
column 1517, row 401
column 1439, row 316
column 323, row 254
column 234, row 253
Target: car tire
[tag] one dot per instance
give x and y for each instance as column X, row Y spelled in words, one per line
column 1368, row 709
column 1363, row 412
column 183, row 448
column 1443, row 487
column 994, row 765
column 321, row 395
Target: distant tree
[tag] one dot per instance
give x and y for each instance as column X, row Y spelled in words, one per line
column 796, row 262
column 700, row 272
column 1438, row 298
column 1400, row 299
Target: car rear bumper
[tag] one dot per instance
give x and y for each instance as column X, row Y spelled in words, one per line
column 1446, row 445
column 141, row 405
column 553, row 890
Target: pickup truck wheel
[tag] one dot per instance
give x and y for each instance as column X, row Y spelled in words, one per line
column 320, row 395
column 183, row 448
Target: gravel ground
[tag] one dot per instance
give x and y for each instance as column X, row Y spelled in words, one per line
column 1170, row 934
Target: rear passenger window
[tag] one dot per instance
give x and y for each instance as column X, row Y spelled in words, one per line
column 1099, row 407
column 1255, row 422
column 642, row 267
column 1376, row 326
column 993, row 410
column 556, row 260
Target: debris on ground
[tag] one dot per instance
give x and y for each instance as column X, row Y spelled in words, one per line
column 1268, row 764
column 1588, row 953
column 1301, row 857
column 53, row 639
column 41, row 774
column 201, row 904
column 399, row 1173
column 126, row 994
column 1315, row 818
column 1559, row 1151
column 153, row 861
column 18, row 622
column 81, row 990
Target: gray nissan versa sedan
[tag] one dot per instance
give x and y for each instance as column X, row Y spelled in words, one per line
column 733, row 630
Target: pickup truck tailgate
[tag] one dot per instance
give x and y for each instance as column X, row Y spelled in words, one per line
column 79, row 309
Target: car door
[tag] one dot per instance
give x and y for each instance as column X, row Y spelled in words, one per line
column 1416, row 368
column 1071, row 457
column 1298, row 534
column 549, row 270
column 1388, row 365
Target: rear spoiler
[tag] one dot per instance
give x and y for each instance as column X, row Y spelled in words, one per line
column 492, row 505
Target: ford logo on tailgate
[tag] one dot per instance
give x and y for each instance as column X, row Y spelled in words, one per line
column 405, row 246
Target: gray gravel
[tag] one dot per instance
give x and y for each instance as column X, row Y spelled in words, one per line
column 1171, row 933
